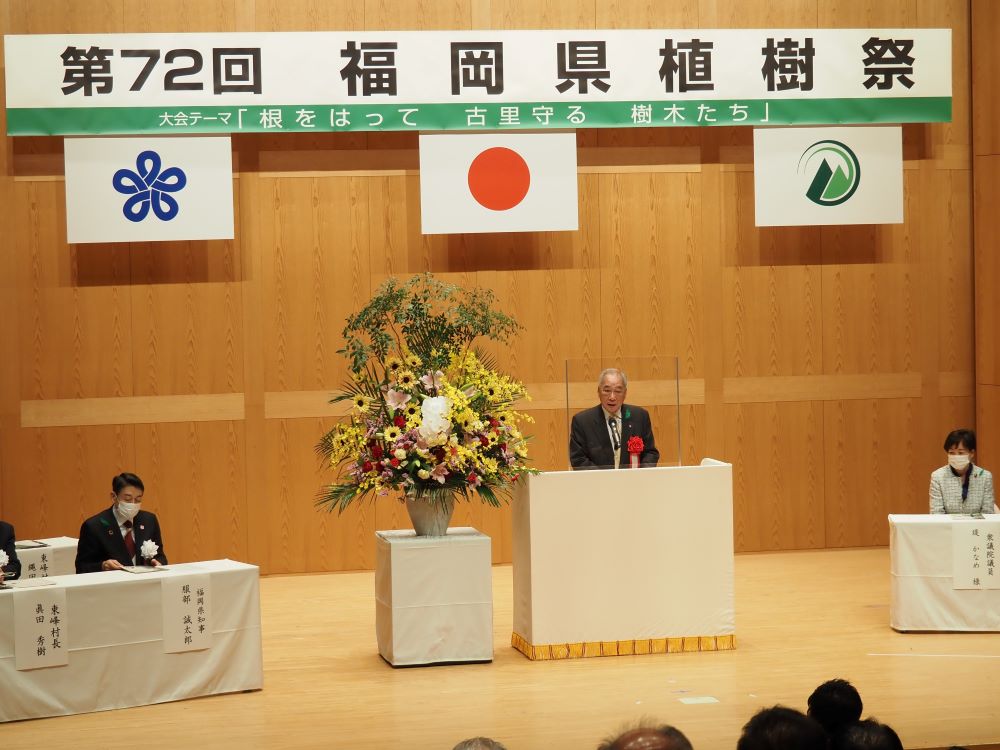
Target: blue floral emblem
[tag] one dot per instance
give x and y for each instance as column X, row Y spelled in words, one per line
column 149, row 188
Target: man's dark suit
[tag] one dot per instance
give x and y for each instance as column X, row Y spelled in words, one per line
column 101, row 539
column 590, row 444
column 12, row 569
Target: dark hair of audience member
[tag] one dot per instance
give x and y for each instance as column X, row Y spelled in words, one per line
column 781, row 728
column 867, row 735
column 647, row 736
column 479, row 743
column 835, row 704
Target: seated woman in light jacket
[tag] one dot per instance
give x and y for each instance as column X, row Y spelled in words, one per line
column 961, row 486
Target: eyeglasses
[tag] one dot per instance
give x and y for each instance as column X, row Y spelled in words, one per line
column 612, row 391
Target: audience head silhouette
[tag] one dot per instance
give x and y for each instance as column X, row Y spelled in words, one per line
column 868, row 735
column 647, row 736
column 781, row 728
column 835, row 704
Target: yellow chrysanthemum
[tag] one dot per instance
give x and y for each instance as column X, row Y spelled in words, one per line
column 412, row 360
column 361, row 402
column 405, row 379
column 392, row 434
column 393, row 365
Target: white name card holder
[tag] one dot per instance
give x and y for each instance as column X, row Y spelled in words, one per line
column 974, row 561
column 187, row 613
column 41, row 628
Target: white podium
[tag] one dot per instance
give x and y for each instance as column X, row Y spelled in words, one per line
column 923, row 593
column 56, row 558
column 633, row 561
column 433, row 597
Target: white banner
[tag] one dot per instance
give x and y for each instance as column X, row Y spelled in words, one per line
column 41, row 627
column 974, row 554
column 810, row 176
column 145, row 189
column 478, row 182
column 427, row 80
column 187, row 613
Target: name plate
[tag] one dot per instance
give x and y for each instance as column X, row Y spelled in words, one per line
column 187, row 613
column 41, row 627
column 974, row 553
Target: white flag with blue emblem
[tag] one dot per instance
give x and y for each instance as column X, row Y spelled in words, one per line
column 148, row 189
column 807, row 176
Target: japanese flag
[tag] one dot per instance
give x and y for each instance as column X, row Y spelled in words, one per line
column 491, row 182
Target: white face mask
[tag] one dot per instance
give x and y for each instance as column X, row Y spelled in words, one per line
column 127, row 510
column 958, row 461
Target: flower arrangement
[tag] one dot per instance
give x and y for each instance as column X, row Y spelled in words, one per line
column 430, row 415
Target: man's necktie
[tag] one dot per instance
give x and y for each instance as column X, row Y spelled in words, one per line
column 129, row 540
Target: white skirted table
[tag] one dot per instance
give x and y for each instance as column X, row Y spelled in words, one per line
column 57, row 557
column 634, row 561
column 116, row 649
column 433, row 597
column 925, row 596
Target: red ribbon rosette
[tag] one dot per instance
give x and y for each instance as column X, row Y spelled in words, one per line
column 635, row 448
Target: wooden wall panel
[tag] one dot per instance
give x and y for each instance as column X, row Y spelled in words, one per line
column 825, row 363
column 985, row 27
column 985, row 61
column 303, row 537
column 650, row 296
column 773, row 320
column 58, row 476
column 987, row 269
column 870, row 469
column 186, row 318
column 777, row 452
column 194, row 478
column 314, row 236
column 73, row 308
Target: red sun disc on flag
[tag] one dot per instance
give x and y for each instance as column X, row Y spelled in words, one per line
column 499, row 178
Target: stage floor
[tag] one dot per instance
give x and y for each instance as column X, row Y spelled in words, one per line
column 801, row 618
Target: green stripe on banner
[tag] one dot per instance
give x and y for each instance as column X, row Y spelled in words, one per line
column 471, row 117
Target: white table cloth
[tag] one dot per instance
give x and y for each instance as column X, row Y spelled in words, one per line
column 56, row 558
column 620, row 562
column 433, row 597
column 116, row 656
column 923, row 595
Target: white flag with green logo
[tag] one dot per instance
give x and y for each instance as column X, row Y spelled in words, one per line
column 806, row 176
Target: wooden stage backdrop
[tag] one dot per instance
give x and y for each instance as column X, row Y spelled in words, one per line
column 826, row 363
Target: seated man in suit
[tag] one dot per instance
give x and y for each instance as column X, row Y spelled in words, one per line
column 114, row 537
column 12, row 569
column 599, row 436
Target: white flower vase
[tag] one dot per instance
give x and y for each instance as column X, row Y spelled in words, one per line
column 430, row 518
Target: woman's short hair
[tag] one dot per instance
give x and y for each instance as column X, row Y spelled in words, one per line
column 963, row 438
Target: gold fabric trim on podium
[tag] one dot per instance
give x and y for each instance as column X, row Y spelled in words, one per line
column 550, row 651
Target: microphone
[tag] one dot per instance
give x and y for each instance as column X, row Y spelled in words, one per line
column 615, row 440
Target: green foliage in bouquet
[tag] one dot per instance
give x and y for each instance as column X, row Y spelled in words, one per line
column 431, row 416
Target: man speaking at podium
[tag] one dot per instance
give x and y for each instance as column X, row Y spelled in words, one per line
column 599, row 436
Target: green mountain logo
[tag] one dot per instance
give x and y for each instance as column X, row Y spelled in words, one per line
column 832, row 170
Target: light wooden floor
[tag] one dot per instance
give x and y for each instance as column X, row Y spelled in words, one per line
column 802, row 617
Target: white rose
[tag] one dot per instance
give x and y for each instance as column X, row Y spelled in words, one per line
column 149, row 549
column 3, row 558
column 399, row 453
